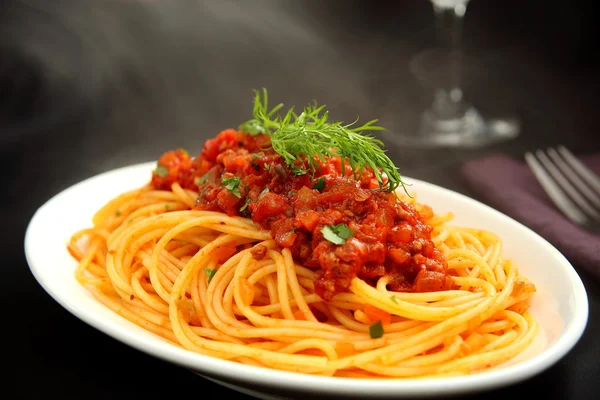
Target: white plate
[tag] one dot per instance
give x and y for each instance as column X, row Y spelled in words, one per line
column 561, row 305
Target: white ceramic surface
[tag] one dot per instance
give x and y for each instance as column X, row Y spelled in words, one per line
column 561, row 306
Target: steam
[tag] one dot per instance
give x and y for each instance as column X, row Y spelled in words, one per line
column 159, row 74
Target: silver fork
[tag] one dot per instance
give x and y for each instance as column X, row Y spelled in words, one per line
column 573, row 187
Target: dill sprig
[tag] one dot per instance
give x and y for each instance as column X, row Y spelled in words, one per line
column 311, row 136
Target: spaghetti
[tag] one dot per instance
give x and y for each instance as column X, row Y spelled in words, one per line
column 236, row 254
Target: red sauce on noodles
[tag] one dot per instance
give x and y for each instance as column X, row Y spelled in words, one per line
column 240, row 175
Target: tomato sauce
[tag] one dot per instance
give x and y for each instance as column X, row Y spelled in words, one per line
column 337, row 223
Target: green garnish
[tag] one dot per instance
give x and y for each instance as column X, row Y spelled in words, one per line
column 311, row 136
column 210, row 273
column 265, row 190
column 261, row 123
column 167, row 207
column 376, row 330
column 319, row 184
column 161, row 171
column 296, row 170
column 201, row 180
column 117, row 213
column 393, row 299
column 233, row 185
column 336, row 234
column 246, row 204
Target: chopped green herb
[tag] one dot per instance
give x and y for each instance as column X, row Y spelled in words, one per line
column 343, row 231
column 298, row 171
column 330, row 235
column 210, row 273
column 161, row 171
column 233, row 185
column 319, row 184
column 117, row 213
column 201, row 180
column 265, row 190
column 376, row 330
column 246, row 204
column 167, row 207
column 184, row 151
column 336, row 234
column 393, row 298
column 130, row 221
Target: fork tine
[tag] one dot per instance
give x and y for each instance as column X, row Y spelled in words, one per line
column 587, row 174
column 556, row 195
column 568, row 170
column 566, row 185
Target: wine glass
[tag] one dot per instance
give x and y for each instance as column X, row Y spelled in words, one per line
column 450, row 120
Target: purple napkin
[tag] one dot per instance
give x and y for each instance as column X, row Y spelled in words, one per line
column 509, row 186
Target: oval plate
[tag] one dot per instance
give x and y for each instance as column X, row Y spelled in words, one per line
column 560, row 306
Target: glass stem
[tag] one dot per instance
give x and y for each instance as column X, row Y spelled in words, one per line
column 449, row 20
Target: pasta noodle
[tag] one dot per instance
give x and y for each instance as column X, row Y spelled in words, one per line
column 288, row 244
column 220, row 286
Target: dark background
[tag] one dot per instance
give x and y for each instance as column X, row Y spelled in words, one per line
column 88, row 86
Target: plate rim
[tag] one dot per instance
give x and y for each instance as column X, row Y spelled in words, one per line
column 292, row 381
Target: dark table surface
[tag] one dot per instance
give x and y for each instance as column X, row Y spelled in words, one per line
column 107, row 84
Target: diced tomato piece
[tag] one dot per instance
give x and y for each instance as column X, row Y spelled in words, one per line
column 173, row 166
column 376, row 314
column 305, row 199
column 401, row 233
column 222, row 253
column 399, row 256
column 268, row 206
column 308, row 220
column 432, row 281
column 228, row 202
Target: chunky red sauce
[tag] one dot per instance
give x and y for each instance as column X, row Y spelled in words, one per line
column 239, row 174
